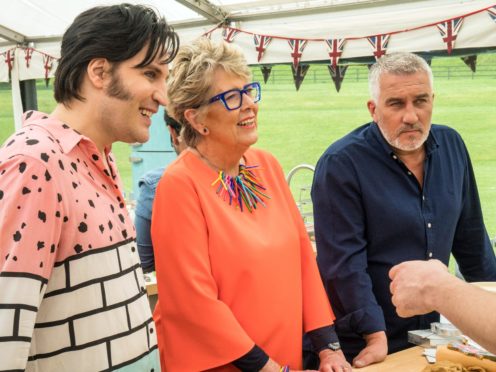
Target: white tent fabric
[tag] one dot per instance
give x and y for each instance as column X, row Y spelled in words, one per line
column 414, row 25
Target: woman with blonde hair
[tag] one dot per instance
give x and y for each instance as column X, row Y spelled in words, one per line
column 237, row 279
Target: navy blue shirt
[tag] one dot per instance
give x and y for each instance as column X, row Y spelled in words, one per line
column 371, row 213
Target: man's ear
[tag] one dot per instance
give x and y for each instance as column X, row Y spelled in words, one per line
column 371, row 106
column 194, row 117
column 98, row 72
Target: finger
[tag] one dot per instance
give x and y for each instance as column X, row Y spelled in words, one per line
column 393, row 271
column 363, row 359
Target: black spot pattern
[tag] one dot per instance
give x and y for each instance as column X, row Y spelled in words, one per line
column 57, row 214
column 10, row 143
column 74, row 185
column 102, row 228
column 65, row 126
column 112, row 208
column 59, row 197
column 40, row 245
column 44, row 156
column 22, row 167
column 74, row 166
column 66, row 218
column 34, row 177
column 95, row 157
column 90, row 202
column 61, row 165
column 85, row 216
column 83, row 227
column 28, row 115
column 31, row 142
column 52, row 248
column 110, row 225
column 106, row 172
column 48, row 177
column 42, row 216
column 17, row 236
column 124, row 234
column 1, row 194
column 23, row 225
column 121, row 217
column 78, row 248
column 25, row 190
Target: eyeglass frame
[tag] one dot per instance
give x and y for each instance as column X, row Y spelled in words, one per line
column 222, row 96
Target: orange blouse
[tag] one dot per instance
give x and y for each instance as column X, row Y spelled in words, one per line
column 229, row 279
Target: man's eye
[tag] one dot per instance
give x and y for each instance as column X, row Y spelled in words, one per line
column 150, row 74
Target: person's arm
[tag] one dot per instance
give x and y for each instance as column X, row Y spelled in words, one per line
column 342, row 255
column 471, row 245
column 29, row 235
column 419, row 287
column 143, row 222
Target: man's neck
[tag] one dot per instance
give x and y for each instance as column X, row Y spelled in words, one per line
column 414, row 161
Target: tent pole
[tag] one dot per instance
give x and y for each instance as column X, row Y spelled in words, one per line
column 28, row 95
column 16, row 92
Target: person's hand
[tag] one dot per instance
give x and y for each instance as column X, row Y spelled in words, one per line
column 375, row 351
column 333, row 361
column 413, row 286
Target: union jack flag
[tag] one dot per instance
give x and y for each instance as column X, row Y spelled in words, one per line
column 337, row 75
column 299, row 74
column 28, row 54
column 261, row 43
column 47, row 64
column 297, row 47
column 229, row 33
column 492, row 13
column 9, row 58
column 379, row 43
column 335, row 50
column 449, row 30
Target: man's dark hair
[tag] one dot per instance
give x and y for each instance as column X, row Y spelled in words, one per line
column 117, row 33
column 171, row 122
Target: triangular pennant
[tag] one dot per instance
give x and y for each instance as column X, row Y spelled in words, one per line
column 492, row 13
column 266, row 72
column 369, row 65
column 379, row 43
column 261, row 43
column 449, row 31
column 208, row 34
column 427, row 59
column 9, row 59
column 299, row 74
column 471, row 61
column 337, row 75
column 229, row 33
column 297, row 47
column 28, row 54
column 335, row 50
column 47, row 64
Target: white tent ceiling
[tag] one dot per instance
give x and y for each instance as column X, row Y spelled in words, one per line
column 33, row 28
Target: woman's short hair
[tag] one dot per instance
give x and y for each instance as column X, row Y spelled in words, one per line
column 396, row 64
column 191, row 80
column 116, row 33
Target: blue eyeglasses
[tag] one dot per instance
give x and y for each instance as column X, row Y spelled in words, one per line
column 233, row 98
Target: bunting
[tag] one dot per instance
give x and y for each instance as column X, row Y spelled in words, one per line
column 335, row 50
column 299, row 73
column 9, row 58
column 266, row 70
column 229, row 33
column 337, row 75
column 379, row 43
column 470, row 61
column 449, row 31
column 47, row 64
column 28, row 54
column 492, row 13
column 261, row 43
column 297, row 47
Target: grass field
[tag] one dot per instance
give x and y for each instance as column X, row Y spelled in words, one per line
column 298, row 126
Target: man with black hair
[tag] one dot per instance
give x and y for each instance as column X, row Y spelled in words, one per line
column 72, row 294
column 148, row 185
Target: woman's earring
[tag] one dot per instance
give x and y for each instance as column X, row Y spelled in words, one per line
column 205, row 130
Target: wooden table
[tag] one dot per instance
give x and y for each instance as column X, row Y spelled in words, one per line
column 409, row 360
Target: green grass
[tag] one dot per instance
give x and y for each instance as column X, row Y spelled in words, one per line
column 298, row 126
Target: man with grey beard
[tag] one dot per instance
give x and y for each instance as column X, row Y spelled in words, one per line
column 393, row 190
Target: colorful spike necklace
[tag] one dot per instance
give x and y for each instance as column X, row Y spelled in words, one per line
column 243, row 189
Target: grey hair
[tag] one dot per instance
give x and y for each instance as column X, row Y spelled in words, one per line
column 192, row 78
column 397, row 64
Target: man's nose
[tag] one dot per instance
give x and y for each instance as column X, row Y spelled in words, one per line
column 410, row 116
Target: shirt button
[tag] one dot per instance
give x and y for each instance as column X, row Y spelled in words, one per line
column 409, row 173
column 395, row 157
column 429, row 225
column 423, row 197
column 430, row 254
